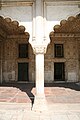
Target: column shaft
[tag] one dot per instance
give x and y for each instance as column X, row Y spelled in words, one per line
column 39, row 50
column 39, row 73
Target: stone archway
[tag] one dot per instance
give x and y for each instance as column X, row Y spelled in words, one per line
column 10, row 27
column 67, row 27
column 68, row 35
column 11, row 35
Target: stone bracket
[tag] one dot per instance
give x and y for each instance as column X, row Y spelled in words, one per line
column 39, row 48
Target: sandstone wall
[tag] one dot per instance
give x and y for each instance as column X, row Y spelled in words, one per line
column 70, row 59
column 11, row 60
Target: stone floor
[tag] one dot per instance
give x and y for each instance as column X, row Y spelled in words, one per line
column 63, row 102
column 13, row 94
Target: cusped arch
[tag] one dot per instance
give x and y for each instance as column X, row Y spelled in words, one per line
column 71, row 25
column 10, row 27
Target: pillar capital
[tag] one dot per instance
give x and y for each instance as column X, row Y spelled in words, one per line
column 39, row 49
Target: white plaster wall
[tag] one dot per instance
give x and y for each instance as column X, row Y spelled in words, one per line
column 56, row 13
column 22, row 14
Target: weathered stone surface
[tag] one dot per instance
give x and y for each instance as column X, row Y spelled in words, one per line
column 71, row 42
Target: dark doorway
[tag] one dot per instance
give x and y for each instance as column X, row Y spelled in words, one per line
column 23, row 72
column 59, row 72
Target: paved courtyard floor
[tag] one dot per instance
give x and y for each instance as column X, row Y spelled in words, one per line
column 63, row 102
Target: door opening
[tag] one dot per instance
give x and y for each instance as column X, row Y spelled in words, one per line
column 23, row 72
column 59, row 71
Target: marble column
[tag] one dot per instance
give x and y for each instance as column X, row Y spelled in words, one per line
column 40, row 103
column 39, row 73
column 39, row 48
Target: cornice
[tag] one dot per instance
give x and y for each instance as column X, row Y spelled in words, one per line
column 26, row 37
column 61, row 2
column 69, row 35
column 16, row 3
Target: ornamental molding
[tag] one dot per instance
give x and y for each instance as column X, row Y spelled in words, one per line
column 16, row 3
column 24, row 37
column 61, row 2
column 70, row 35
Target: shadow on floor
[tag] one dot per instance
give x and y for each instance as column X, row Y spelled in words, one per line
column 27, row 87
column 74, row 86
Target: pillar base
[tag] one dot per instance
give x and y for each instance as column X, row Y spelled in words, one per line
column 40, row 103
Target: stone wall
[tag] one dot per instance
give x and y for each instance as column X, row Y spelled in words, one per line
column 24, row 13
column 10, row 59
column 79, row 57
column 71, row 59
column 0, row 61
column 71, row 56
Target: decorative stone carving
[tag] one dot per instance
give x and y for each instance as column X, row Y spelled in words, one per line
column 8, row 20
column 16, row 23
column 70, row 35
column 40, row 49
column 71, row 18
column 12, row 27
column 71, row 25
column 63, row 22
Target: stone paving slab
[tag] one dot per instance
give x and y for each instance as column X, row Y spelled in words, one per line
column 54, row 112
column 20, row 114
column 60, row 95
column 63, row 104
column 59, row 113
column 13, row 94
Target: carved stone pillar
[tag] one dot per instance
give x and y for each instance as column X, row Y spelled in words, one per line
column 39, row 101
column 39, row 48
